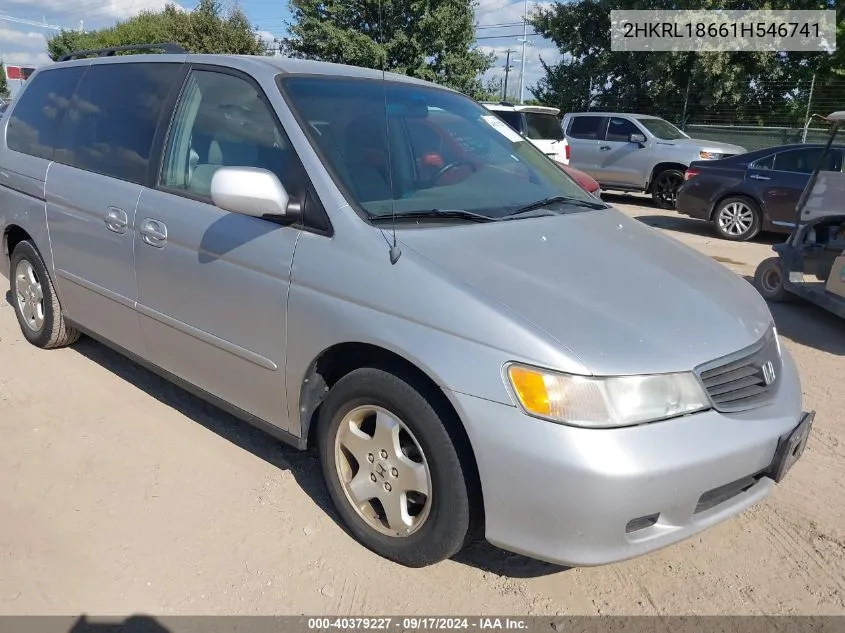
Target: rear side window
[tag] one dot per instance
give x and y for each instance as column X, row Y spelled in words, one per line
column 805, row 160
column 586, row 127
column 511, row 117
column 543, row 126
column 112, row 119
column 34, row 122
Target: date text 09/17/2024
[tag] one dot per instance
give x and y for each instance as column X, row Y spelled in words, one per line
column 725, row 29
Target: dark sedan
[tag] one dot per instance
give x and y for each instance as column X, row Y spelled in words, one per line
column 752, row 192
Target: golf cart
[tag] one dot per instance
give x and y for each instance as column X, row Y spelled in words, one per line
column 811, row 263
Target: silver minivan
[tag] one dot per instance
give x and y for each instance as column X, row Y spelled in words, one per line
column 382, row 270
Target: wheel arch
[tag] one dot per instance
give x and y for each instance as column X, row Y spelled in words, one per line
column 342, row 358
column 736, row 194
column 13, row 235
column 659, row 167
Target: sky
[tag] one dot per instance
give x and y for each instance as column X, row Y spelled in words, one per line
column 25, row 44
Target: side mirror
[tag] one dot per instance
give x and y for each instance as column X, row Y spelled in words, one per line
column 638, row 138
column 249, row 191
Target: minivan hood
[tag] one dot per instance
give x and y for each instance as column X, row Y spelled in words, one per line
column 617, row 294
column 713, row 146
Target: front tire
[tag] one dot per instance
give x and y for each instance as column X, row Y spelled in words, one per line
column 737, row 219
column 664, row 188
column 392, row 469
column 769, row 278
column 37, row 307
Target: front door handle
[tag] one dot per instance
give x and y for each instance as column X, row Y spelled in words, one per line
column 605, row 148
column 759, row 177
column 153, row 232
column 116, row 220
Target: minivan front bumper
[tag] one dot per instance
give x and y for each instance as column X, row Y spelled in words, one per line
column 575, row 496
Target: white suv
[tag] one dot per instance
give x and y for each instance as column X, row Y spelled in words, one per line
column 539, row 124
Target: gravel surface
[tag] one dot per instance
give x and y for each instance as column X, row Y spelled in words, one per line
column 123, row 494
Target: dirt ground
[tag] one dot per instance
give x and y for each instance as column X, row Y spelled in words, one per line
column 120, row 494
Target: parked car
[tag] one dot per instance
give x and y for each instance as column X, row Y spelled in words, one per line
column 587, row 182
column 637, row 152
column 539, row 124
column 486, row 351
column 753, row 192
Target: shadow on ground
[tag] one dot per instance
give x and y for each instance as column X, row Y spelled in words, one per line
column 132, row 624
column 304, row 466
column 807, row 324
column 691, row 226
column 632, row 199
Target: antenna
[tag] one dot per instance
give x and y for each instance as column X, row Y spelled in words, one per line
column 395, row 252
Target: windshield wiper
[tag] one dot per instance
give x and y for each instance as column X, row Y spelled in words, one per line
column 540, row 204
column 575, row 202
column 456, row 214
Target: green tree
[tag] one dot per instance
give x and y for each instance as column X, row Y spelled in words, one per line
column 4, row 87
column 428, row 39
column 735, row 87
column 206, row 29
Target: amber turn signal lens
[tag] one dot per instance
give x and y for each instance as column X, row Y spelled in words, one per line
column 530, row 387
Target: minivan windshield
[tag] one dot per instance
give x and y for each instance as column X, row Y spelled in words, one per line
column 540, row 126
column 413, row 150
column 661, row 129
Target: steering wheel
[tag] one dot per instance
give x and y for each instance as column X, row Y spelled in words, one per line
column 446, row 168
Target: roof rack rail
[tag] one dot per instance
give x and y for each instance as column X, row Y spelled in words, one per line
column 167, row 47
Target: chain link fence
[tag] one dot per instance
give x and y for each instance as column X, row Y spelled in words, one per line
column 763, row 115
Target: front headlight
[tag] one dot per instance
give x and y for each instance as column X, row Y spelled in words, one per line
column 710, row 155
column 593, row 402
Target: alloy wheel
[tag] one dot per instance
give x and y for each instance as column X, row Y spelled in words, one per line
column 29, row 295
column 735, row 219
column 666, row 188
column 383, row 471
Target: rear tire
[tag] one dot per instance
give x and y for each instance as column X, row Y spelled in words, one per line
column 768, row 279
column 36, row 305
column 737, row 219
column 380, row 442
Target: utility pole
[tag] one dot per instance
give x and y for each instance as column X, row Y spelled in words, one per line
column 524, row 42
column 507, row 70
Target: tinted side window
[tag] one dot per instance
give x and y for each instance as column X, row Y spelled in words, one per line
column 767, row 162
column 33, row 124
column 112, row 120
column 511, row 117
column 224, row 120
column 543, row 126
column 621, row 130
column 586, row 127
column 805, row 160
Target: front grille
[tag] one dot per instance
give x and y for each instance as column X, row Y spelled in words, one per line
column 743, row 380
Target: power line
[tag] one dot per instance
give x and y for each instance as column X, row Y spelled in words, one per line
column 498, row 26
column 501, row 37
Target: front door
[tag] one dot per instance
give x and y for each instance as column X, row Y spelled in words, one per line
column 620, row 161
column 782, row 184
column 100, row 167
column 213, row 285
